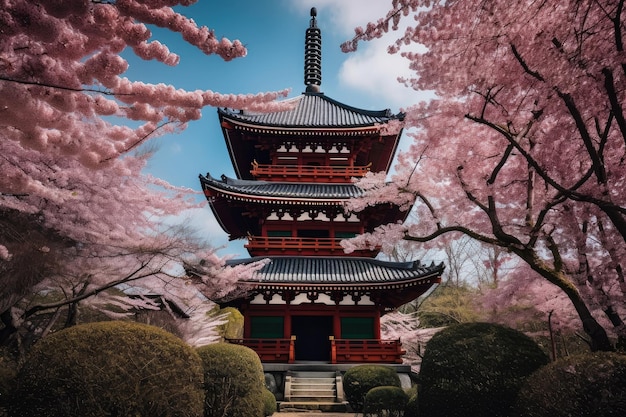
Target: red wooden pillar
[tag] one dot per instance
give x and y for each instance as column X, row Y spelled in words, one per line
column 292, row 349
column 377, row 326
column 287, row 324
column 336, row 324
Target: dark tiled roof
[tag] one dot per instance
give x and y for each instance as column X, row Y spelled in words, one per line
column 314, row 110
column 290, row 190
column 339, row 271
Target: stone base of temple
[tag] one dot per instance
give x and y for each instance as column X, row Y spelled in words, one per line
column 315, row 386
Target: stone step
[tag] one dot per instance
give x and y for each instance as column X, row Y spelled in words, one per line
column 310, row 396
column 313, row 394
column 315, row 388
column 311, row 387
column 313, row 374
column 310, row 380
column 295, row 406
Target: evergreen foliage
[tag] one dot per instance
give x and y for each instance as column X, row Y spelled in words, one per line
column 449, row 304
column 8, row 372
column 233, row 328
column 385, row 401
column 358, row 380
column 411, row 406
column 592, row 384
column 233, row 381
column 269, row 403
column 109, row 369
column 476, row 370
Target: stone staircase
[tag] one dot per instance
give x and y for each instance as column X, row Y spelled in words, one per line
column 313, row 390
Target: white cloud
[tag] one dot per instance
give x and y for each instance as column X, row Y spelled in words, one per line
column 176, row 147
column 371, row 70
column 375, row 72
column 204, row 223
column 346, row 14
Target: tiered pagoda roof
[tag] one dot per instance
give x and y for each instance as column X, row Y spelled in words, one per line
column 309, row 300
column 313, row 120
column 294, row 167
column 391, row 284
column 282, row 192
column 310, row 112
column 231, row 198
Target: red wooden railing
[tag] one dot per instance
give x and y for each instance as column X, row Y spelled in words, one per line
column 366, row 351
column 295, row 245
column 270, row 350
column 299, row 246
column 300, row 172
column 342, row 350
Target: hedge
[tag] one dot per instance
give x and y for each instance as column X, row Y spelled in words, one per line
column 109, row 369
column 475, row 369
column 592, row 384
column 385, row 401
column 358, row 380
column 233, row 381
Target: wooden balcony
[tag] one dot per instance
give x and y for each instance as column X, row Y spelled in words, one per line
column 366, row 351
column 270, row 350
column 342, row 350
column 309, row 173
column 299, row 246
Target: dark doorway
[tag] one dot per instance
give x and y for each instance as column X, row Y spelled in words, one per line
column 312, row 343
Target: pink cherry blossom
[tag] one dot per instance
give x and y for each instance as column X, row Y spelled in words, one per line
column 72, row 181
column 523, row 146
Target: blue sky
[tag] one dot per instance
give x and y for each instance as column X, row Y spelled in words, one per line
column 273, row 32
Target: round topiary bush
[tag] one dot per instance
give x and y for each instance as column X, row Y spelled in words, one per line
column 233, row 381
column 8, row 373
column 269, row 403
column 592, row 384
column 233, row 326
column 109, row 369
column 475, row 369
column 388, row 401
column 411, row 406
column 358, row 380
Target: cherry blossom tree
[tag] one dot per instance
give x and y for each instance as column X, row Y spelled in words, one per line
column 78, row 214
column 523, row 146
column 406, row 328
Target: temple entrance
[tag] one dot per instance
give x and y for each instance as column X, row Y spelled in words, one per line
column 312, row 343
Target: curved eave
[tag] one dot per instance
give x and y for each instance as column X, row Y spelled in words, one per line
column 388, row 284
column 345, row 287
column 301, row 130
column 314, row 113
column 267, row 193
column 338, row 274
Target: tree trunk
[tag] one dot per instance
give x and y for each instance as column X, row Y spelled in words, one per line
column 9, row 326
column 599, row 338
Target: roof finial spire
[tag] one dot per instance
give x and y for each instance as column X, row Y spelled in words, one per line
column 313, row 56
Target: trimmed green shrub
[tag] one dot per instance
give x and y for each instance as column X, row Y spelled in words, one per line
column 358, row 380
column 233, row 328
column 8, row 373
column 388, row 401
column 109, row 369
column 233, row 381
column 269, row 403
column 475, row 370
column 411, row 406
column 592, row 384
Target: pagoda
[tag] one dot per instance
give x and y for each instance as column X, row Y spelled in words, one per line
column 312, row 302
